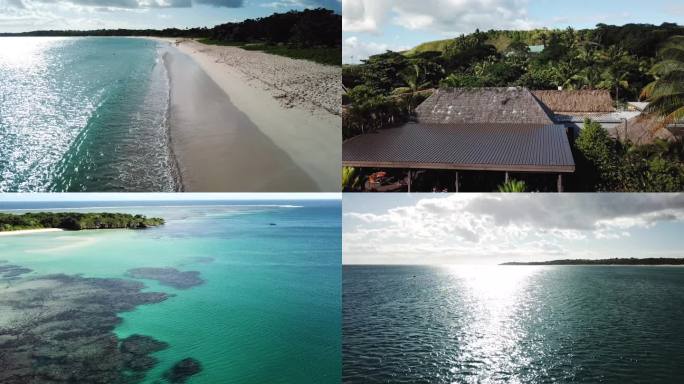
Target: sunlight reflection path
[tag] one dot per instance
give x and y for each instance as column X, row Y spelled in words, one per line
column 493, row 295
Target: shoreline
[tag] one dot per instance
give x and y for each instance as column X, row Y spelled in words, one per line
column 30, row 231
column 243, row 138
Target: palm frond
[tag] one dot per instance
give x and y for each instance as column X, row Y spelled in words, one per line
column 647, row 92
column 674, row 117
column 672, row 52
column 667, row 66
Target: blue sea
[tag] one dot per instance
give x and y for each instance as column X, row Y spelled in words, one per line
column 504, row 324
column 84, row 114
column 268, row 310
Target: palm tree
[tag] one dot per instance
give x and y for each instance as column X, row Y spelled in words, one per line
column 666, row 93
column 587, row 78
column 616, row 79
column 414, row 79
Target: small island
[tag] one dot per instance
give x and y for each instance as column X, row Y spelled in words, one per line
column 616, row 261
column 75, row 221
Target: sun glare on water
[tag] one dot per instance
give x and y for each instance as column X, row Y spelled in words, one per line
column 493, row 294
column 18, row 52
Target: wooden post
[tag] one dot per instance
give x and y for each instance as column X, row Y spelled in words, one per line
column 409, row 181
column 507, row 176
column 456, row 183
column 560, row 183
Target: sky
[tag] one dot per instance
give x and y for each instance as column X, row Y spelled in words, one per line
column 482, row 229
column 57, row 197
column 31, row 15
column 374, row 26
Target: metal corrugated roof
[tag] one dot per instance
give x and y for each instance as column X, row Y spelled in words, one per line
column 485, row 147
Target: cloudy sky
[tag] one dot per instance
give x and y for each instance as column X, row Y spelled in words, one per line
column 373, row 26
column 29, row 15
column 56, row 197
column 491, row 229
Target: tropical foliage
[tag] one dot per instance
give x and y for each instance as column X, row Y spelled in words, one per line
column 313, row 34
column 75, row 221
column 619, row 59
column 385, row 89
column 608, row 165
column 666, row 93
column 513, row 186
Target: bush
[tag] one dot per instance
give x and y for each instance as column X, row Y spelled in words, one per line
column 604, row 164
column 597, row 157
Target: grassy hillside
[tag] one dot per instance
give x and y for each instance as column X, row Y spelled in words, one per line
column 430, row 46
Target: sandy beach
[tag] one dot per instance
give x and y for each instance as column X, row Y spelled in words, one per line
column 30, row 231
column 249, row 121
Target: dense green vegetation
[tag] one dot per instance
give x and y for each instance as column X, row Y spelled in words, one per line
column 75, row 221
column 666, row 93
column 323, row 55
column 619, row 59
column 635, row 61
column 311, row 34
column 631, row 261
column 604, row 164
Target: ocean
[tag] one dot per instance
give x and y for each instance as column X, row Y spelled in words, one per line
column 267, row 311
column 503, row 324
column 84, row 114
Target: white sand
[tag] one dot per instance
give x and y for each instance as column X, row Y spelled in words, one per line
column 30, row 231
column 295, row 103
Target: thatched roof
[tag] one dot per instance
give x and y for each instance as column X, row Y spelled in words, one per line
column 576, row 101
column 643, row 129
column 482, row 105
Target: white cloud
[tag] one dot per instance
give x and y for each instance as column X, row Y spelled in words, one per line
column 442, row 16
column 494, row 227
column 354, row 50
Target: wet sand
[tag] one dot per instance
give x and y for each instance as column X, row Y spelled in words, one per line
column 218, row 148
column 296, row 141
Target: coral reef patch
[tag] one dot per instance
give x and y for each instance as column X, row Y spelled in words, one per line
column 168, row 276
column 59, row 329
column 182, row 370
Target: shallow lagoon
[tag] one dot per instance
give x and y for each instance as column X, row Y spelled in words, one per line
column 268, row 310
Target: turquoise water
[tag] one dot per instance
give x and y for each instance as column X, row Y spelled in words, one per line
column 570, row 324
column 84, row 114
column 269, row 310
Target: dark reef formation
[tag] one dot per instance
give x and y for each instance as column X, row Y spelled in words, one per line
column 12, row 271
column 168, row 276
column 59, row 329
column 136, row 350
column 203, row 259
column 182, row 370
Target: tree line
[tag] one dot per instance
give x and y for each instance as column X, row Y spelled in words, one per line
column 307, row 29
column 382, row 90
column 75, row 221
column 616, row 261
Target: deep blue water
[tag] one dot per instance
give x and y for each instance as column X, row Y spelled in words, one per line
column 561, row 324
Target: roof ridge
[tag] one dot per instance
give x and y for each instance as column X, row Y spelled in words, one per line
column 483, row 105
